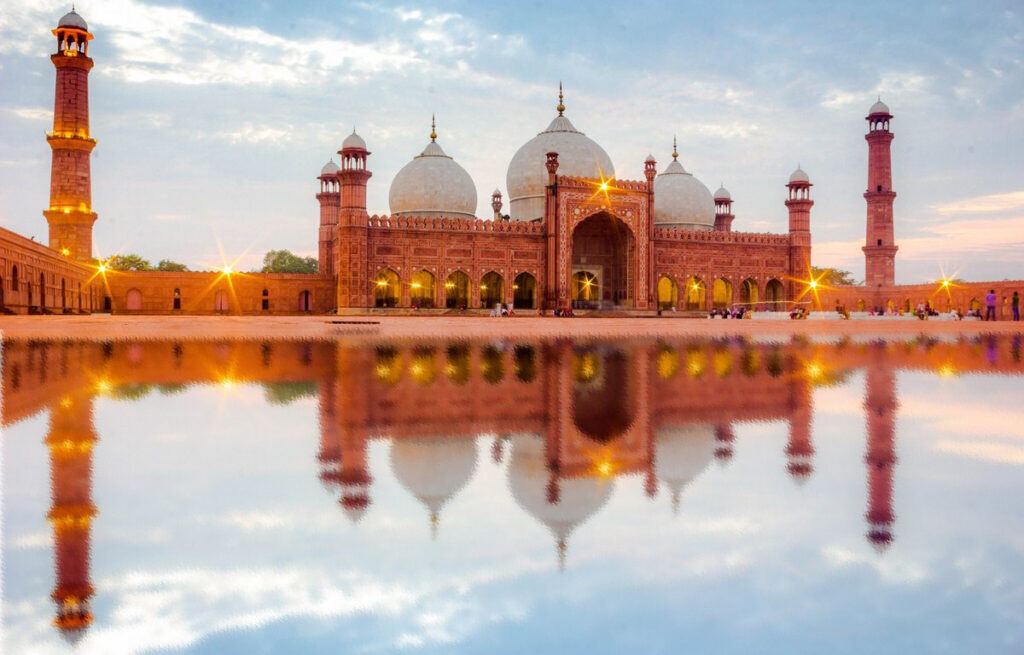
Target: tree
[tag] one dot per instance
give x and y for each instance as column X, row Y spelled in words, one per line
column 168, row 265
column 833, row 277
column 283, row 261
column 128, row 262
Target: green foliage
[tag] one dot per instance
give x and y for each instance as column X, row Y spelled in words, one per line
column 131, row 392
column 168, row 265
column 283, row 261
column 284, row 393
column 833, row 277
column 129, row 262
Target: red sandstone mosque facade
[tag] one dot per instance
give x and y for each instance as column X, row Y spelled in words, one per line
column 575, row 236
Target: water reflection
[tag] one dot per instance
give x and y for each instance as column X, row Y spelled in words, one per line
column 568, row 420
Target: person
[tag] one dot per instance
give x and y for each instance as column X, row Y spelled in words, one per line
column 1015, row 305
column 990, row 305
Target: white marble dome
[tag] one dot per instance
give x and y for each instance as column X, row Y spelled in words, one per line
column 433, row 185
column 799, row 176
column 879, row 108
column 527, row 175
column 433, row 469
column 578, row 498
column 72, row 19
column 330, row 168
column 353, row 141
column 722, row 194
column 681, row 454
column 681, row 200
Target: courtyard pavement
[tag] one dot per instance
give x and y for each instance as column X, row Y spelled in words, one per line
column 473, row 327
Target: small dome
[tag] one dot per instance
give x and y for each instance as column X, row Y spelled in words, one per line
column 353, row 141
column 433, row 469
column 72, row 19
column 799, row 176
column 681, row 454
column 497, row 192
column 527, row 175
column 330, row 168
column 879, row 108
column 682, row 200
column 650, row 158
column 722, row 194
column 433, row 185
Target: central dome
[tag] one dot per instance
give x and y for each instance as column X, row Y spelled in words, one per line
column 681, row 200
column 433, row 185
column 527, row 175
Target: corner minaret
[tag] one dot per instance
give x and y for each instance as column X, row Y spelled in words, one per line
column 351, row 254
column 723, row 210
column 880, row 248
column 70, row 214
column 799, row 204
column 330, row 204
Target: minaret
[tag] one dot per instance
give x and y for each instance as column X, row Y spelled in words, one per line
column 70, row 440
column 880, row 248
column 70, row 214
column 723, row 210
column 799, row 204
column 880, row 408
column 351, row 253
column 724, row 438
column 330, row 204
column 496, row 204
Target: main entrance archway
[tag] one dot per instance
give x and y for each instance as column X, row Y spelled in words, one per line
column 603, row 252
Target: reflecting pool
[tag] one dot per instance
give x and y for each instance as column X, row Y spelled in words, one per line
column 639, row 496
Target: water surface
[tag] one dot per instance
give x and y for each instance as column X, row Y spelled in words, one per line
column 510, row 497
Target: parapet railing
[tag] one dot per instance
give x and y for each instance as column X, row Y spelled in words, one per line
column 712, row 236
column 448, row 224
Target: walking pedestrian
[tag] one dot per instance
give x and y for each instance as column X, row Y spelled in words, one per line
column 1015, row 305
column 990, row 305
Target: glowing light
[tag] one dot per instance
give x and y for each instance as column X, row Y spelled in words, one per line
column 65, row 402
column 947, row 371
column 227, row 270
column 102, row 268
column 103, row 386
column 604, row 186
column 65, row 252
column 605, row 468
column 382, row 283
column 813, row 284
column 227, row 384
column 814, row 371
column 945, row 283
column 416, row 285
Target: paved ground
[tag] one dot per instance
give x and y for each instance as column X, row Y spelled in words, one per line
column 469, row 327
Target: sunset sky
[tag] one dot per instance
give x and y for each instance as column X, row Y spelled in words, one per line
column 214, row 118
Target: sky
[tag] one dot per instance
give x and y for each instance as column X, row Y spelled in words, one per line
column 214, row 118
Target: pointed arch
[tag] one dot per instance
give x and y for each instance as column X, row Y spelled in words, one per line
column 422, row 289
column 696, row 294
column 721, row 293
column 668, row 293
column 524, row 291
column 492, row 290
column 386, row 288
column 456, row 290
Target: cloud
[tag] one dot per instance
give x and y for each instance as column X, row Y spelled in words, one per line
column 32, row 113
column 987, row 451
column 995, row 203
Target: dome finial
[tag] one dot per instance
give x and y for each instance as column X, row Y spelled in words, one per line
column 561, row 98
column 433, row 128
column 675, row 150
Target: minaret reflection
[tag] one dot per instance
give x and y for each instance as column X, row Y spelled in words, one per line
column 70, row 441
column 880, row 406
column 800, row 449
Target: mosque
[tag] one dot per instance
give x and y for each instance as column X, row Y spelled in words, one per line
column 575, row 235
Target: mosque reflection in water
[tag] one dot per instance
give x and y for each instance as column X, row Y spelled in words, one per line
column 569, row 418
